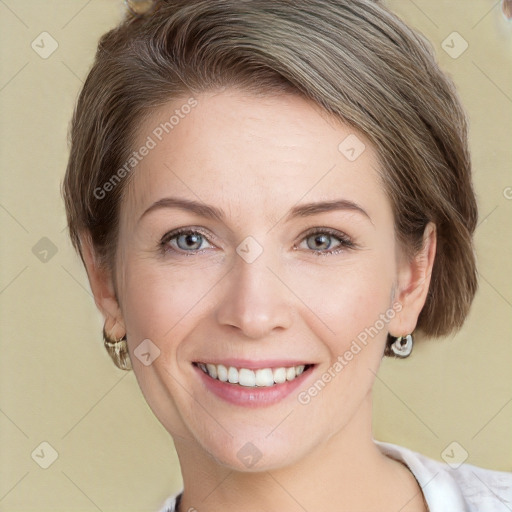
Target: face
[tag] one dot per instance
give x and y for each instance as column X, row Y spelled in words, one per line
column 256, row 235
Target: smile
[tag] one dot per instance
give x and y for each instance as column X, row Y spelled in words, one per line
column 262, row 377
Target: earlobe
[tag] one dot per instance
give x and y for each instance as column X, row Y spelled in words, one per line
column 102, row 286
column 413, row 283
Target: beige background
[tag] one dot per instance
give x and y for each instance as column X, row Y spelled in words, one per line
column 57, row 384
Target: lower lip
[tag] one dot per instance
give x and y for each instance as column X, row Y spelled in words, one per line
column 252, row 396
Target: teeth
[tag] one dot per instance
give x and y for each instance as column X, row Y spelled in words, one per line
column 222, row 373
column 279, row 375
column 232, row 375
column 263, row 377
column 246, row 377
column 212, row 370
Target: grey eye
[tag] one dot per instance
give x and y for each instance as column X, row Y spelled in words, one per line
column 185, row 241
column 319, row 241
column 189, row 241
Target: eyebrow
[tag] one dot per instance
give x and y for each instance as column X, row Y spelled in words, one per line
column 302, row 210
column 196, row 207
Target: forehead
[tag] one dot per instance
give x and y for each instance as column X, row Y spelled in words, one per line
column 249, row 151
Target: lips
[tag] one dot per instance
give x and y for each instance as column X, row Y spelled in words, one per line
column 252, row 388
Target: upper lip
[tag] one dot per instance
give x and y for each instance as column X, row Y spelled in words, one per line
column 252, row 364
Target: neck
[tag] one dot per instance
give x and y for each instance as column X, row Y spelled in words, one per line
column 345, row 472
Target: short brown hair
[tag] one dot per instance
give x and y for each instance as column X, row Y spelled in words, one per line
column 354, row 58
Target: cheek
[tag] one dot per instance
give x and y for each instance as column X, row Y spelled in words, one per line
column 159, row 300
column 350, row 318
column 163, row 304
column 348, row 299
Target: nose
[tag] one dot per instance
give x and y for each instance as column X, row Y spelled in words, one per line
column 254, row 300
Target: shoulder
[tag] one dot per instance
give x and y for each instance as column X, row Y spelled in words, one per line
column 484, row 488
column 449, row 487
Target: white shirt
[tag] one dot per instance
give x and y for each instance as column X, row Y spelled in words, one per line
column 467, row 488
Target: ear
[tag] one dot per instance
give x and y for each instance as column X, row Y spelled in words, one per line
column 412, row 285
column 103, row 289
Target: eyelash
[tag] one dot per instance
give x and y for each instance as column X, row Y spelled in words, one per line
column 175, row 234
column 345, row 241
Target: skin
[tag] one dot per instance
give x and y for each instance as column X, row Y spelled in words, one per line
column 255, row 158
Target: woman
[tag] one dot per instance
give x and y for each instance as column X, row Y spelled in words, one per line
column 268, row 197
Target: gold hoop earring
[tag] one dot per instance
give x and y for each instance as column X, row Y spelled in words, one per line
column 118, row 351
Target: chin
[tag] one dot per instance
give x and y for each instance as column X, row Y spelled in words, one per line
column 254, row 453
